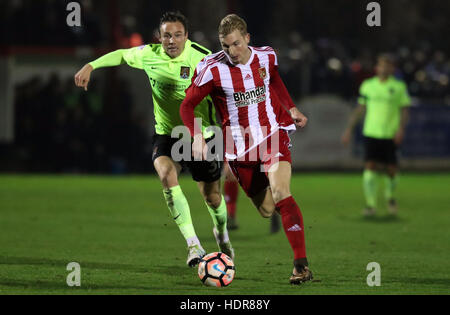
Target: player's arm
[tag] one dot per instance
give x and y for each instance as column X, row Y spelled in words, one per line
column 405, row 104
column 404, row 119
column 355, row 118
column 112, row 59
column 131, row 56
column 194, row 95
column 356, row 115
column 283, row 95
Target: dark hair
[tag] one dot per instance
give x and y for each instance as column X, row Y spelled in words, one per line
column 387, row 57
column 175, row 17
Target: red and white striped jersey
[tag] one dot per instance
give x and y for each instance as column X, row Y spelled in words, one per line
column 246, row 98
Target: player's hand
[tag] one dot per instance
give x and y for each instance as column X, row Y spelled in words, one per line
column 199, row 148
column 398, row 139
column 83, row 77
column 299, row 119
column 346, row 137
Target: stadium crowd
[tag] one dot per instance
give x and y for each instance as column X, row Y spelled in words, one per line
column 54, row 122
column 40, row 23
column 313, row 58
column 59, row 128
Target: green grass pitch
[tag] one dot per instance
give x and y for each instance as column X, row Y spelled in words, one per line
column 119, row 230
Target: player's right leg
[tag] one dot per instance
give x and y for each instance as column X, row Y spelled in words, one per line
column 390, row 187
column 256, row 186
column 168, row 172
column 265, row 205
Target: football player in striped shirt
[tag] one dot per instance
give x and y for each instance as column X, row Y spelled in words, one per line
column 170, row 67
column 250, row 97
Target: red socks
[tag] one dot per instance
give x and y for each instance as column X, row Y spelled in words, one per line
column 292, row 219
column 231, row 191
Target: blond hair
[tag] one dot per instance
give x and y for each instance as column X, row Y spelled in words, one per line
column 230, row 23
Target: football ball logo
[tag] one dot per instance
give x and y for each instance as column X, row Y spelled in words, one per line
column 216, row 270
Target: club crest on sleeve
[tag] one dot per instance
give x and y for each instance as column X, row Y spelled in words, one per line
column 185, row 73
column 263, row 73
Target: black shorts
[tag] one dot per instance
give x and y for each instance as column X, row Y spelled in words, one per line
column 201, row 171
column 380, row 150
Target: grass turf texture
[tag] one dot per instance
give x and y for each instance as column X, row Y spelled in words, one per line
column 119, row 230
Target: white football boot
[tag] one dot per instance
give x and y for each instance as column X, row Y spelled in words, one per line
column 195, row 255
column 224, row 243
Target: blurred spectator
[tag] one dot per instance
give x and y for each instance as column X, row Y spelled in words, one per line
column 323, row 48
column 59, row 129
column 316, row 57
column 43, row 23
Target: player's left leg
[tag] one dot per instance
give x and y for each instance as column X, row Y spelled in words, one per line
column 271, row 192
column 390, row 186
column 390, row 158
column 279, row 176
